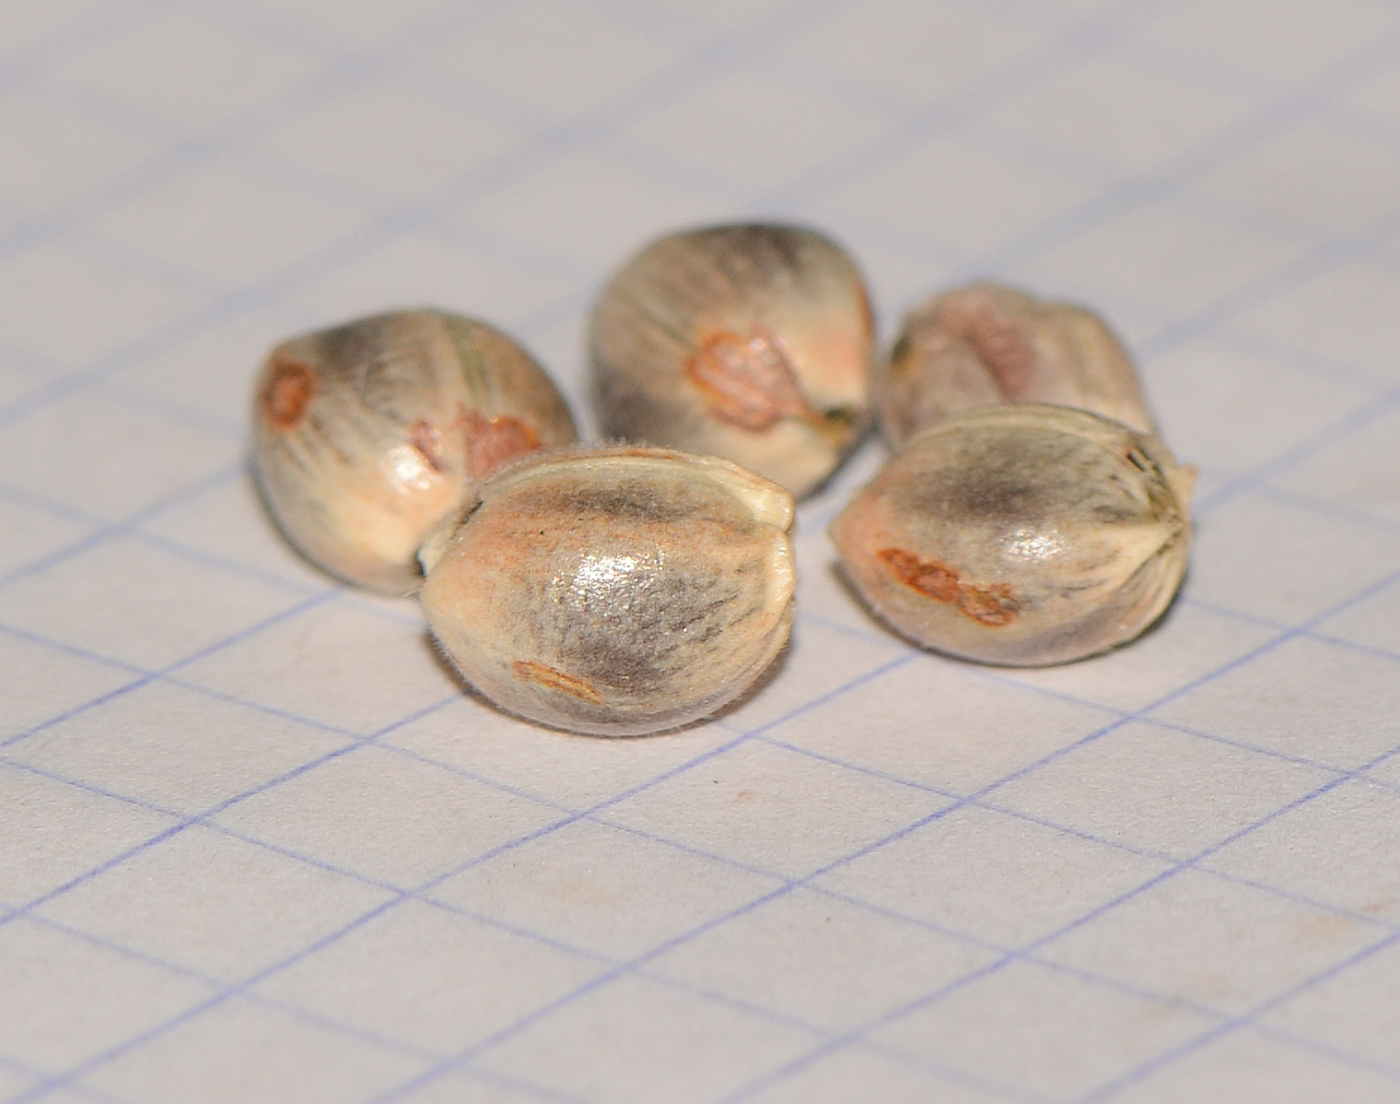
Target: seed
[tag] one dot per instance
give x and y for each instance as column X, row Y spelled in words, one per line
column 616, row 592
column 750, row 342
column 368, row 434
column 985, row 343
column 1021, row 534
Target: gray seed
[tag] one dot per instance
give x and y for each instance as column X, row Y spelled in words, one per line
column 991, row 344
column 1021, row 534
column 616, row 592
column 367, row 435
column 750, row 342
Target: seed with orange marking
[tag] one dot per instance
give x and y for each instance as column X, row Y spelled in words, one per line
column 985, row 343
column 367, row 435
column 751, row 342
column 1021, row 534
column 618, row 591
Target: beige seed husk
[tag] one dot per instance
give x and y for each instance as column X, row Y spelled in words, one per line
column 986, row 343
column 1022, row 534
column 753, row 342
column 368, row 434
column 615, row 591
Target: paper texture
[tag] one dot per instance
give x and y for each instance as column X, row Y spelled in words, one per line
column 256, row 845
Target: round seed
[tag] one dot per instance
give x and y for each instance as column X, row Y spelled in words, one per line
column 616, row 592
column 368, row 434
column 1022, row 534
column 985, row 343
column 750, row 342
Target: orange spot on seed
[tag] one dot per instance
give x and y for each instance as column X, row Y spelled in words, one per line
column 428, row 442
column 934, row 580
column 494, row 442
column 749, row 381
column 993, row 606
column 287, row 394
column 529, row 670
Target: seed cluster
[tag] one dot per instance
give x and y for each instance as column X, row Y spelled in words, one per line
column 1030, row 517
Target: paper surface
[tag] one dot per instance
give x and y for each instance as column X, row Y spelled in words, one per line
column 256, row 846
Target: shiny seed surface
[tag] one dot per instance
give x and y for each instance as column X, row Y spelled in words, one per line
column 617, row 591
column 986, row 343
column 1022, row 535
column 750, row 342
column 367, row 435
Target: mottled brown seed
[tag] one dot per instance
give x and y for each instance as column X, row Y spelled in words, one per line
column 986, row 343
column 1022, row 534
column 615, row 591
column 752, row 342
column 369, row 434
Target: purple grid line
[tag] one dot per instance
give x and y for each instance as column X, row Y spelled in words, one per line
column 81, row 1070
column 1235, row 1022
column 1280, row 113
column 1327, row 613
column 1145, row 1070
column 515, row 791
column 30, row 64
column 469, row 1055
column 721, row 54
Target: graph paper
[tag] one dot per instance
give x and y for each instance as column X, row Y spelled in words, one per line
column 257, row 845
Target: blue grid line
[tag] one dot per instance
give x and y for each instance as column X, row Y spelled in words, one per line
column 397, row 1043
column 515, row 791
column 1330, row 509
column 358, row 66
column 1324, row 367
column 1000, row 677
column 133, row 398
column 190, row 490
column 724, row 53
column 1099, row 910
column 179, row 157
column 33, row 62
column 750, row 868
column 1082, row 39
column 146, row 676
column 289, row 612
column 468, row 1056
column 93, row 244
column 1327, row 787
column 1331, row 254
column 1281, row 112
column 101, row 1059
column 1246, row 1019
column 294, row 1010
column 1362, row 416
column 539, row 1092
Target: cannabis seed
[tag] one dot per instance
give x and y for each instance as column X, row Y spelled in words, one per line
column 368, row 434
column 991, row 344
column 617, row 591
column 750, row 342
column 1021, row 534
